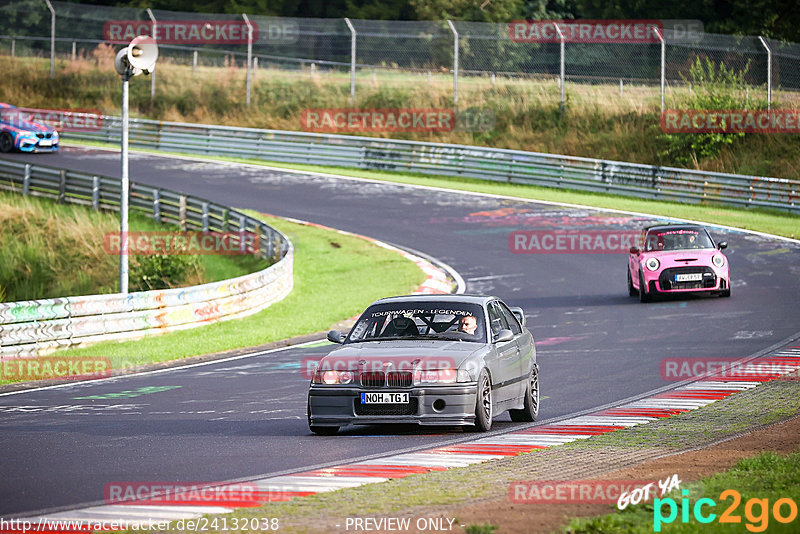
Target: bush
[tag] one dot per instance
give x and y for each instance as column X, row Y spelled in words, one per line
column 717, row 88
column 161, row 271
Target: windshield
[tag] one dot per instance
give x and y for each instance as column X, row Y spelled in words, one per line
column 678, row 240
column 420, row 320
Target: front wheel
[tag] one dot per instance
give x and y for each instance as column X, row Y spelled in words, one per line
column 483, row 403
column 6, row 142
column 530, row 409
column 320, row 430
column 631, row 290
column 643, row 295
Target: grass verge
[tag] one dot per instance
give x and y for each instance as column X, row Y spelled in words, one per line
column 761, row 220
column 764, row 479
column 41, row 239
column 326, row 264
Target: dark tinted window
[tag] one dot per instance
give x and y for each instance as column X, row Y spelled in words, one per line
column 496, row 319
column 423, row 320
column 677, row 239
column 511, row 319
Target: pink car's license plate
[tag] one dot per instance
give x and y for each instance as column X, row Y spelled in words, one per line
column 692, row 277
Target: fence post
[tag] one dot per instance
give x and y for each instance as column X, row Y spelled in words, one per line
column 74, row 54
column 26, row 180
column 156, row 204
column 249, row 54
column 62, row 185
column 13, row 48
column 182, row 212
column 242, row 230
column 561, row 67
column 205, row 216
column 153, row 72
column 95, row 193
column 194, row 61
column 455, row 60
column 663, row 66
column 52, row 39
column 769, row 71
column 352, row 60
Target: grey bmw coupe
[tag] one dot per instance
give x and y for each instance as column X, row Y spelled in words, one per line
column 428, row 359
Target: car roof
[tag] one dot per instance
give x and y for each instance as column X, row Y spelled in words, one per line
column 657, row 227
column 471, row 299
column 3, row 105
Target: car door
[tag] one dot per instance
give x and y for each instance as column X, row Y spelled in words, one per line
column 524, row 341
column 505, row 365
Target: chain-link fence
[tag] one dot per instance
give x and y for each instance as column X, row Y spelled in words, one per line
column 469, row 62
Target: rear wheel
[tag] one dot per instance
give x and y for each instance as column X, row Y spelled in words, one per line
column 530, row 409
column 6, row 142
column 483, row 403
column 631, row 290
column 643, row 295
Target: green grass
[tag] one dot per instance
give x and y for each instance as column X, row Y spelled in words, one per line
column 765, row 476
column 335, row 277
column 40, row 240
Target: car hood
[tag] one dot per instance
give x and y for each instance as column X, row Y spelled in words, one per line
column 402, row 353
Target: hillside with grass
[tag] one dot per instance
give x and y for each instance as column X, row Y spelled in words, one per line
column 50, row 250
column 598, row 121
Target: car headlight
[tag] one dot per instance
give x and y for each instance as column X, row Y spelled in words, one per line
column 718, row 260
column 652, row 264
column 331, row 377
column 435, row 376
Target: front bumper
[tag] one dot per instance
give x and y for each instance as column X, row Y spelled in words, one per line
column 662, row 281
column 429, row 405
column 25, row 146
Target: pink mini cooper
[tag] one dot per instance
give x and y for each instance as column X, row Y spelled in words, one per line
column 677, row 258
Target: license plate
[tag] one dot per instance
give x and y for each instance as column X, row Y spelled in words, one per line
column 384, row 397
column 46, row 142
column 693, row 277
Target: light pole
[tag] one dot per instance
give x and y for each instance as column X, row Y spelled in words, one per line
column 139, row 57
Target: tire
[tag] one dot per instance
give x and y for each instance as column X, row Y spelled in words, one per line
column 643, row 295
column 6, row 142
column 483, row 404
column 530, row 409
column 632, row 292
column 726, row 292
column 320, row 430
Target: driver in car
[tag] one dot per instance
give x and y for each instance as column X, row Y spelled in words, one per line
column 468, row 325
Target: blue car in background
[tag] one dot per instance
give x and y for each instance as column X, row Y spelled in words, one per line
column 18, row 132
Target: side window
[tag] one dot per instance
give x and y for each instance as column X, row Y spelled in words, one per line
column 498, row 322
column 511, row 319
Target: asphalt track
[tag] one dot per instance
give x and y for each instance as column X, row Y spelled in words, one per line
column 246, row 417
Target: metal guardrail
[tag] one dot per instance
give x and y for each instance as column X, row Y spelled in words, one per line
column 31, row 328
column 500, row 165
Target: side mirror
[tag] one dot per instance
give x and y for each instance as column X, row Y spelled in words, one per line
column 504, row 335
column 334, row 336
column 634, row 250
column 723, row 245
column 519, row 314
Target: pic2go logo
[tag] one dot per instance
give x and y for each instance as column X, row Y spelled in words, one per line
column 756, row 511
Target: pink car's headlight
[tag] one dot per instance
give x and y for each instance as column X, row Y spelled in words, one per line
column 652, row 264
column 718, row 260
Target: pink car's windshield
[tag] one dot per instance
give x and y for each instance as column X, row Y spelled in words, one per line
column 677, row 240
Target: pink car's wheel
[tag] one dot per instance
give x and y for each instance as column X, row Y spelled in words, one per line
column 644, row 296
column 632, row 292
